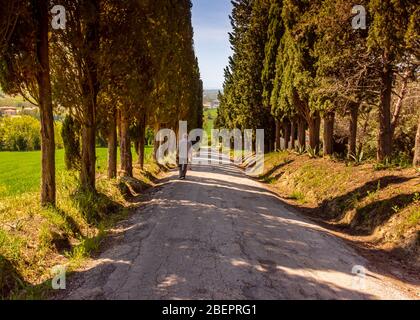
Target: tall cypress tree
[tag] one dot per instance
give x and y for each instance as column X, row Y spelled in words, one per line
column 274, row 34
column 242, row 102
column 388, row 41
column 25, row 70
column 295, row 71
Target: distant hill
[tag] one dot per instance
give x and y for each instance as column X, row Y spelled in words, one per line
column 15, row 102
column 210, row 95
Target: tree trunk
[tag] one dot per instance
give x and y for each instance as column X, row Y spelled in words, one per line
column 87, row 173
column 142, row 136
column 90, row 89
column 301, row 132
column 314, row 130
column 354, row 115
column 156, row 144
column 363, row 132
column 278, row 135
column 272, row 134
column 112, row 147
column 385, row 130
column 125, row 146
column 329, row 133
column 48, row 187
column 416, row 161
column 399, row 105
column 293, row 134
column 267, row 145
column 286, row 134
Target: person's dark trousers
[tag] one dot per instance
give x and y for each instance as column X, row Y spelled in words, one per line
column 183, row 170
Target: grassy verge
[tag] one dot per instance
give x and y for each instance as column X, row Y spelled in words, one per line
column 382, row 206
column 34, row 239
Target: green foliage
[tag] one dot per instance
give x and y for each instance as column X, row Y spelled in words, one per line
column 149, row 136
column 11, row 246
column 59, row 143
column 241, row 104
column 315, row 64
column 300, row 150
column 51, row 231
column 85, row 249
column 71, row 141
column 23, row 133
column 274, row 34
column 298, row 196
column 20, row 134
column 400, row 161
column 313, row 153
column 357, row 158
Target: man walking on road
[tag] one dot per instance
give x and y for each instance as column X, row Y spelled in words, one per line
column 184, row 155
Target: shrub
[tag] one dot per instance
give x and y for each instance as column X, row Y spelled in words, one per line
column 23, row 133
column 20, row 133
column 59, row 144
column 71, row 143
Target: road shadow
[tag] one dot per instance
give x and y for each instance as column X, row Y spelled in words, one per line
column 272, row 253
column 366, row 219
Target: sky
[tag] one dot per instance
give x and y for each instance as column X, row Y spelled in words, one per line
column 211, row 26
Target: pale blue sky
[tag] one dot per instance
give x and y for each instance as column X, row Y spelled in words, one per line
column 211, row 26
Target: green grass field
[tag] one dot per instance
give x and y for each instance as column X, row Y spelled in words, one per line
column 20, row 172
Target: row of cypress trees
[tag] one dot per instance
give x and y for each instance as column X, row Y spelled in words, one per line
column 116, row 67
column 296, row 63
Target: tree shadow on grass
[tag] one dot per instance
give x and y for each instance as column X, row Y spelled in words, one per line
column 377, row 213
column 14, row 287
column 131, row 187
column 11, row 281
column 9, row 278
column 268, row 174
column 336, row 208
column 70, row 222
column 95, row 206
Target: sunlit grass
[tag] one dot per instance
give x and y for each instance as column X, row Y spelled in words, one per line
column 20, row 172
column 33, row 238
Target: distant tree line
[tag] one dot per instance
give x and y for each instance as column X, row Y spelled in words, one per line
column 301, row 66
column 116, row 68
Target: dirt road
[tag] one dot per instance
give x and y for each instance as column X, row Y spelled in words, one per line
column 221, row 235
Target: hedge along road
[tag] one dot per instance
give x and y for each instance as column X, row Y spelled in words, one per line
column 222, row 235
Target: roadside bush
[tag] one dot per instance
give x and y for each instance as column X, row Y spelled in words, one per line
column 59, row 144
column 23, row 133
column 20, row 133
